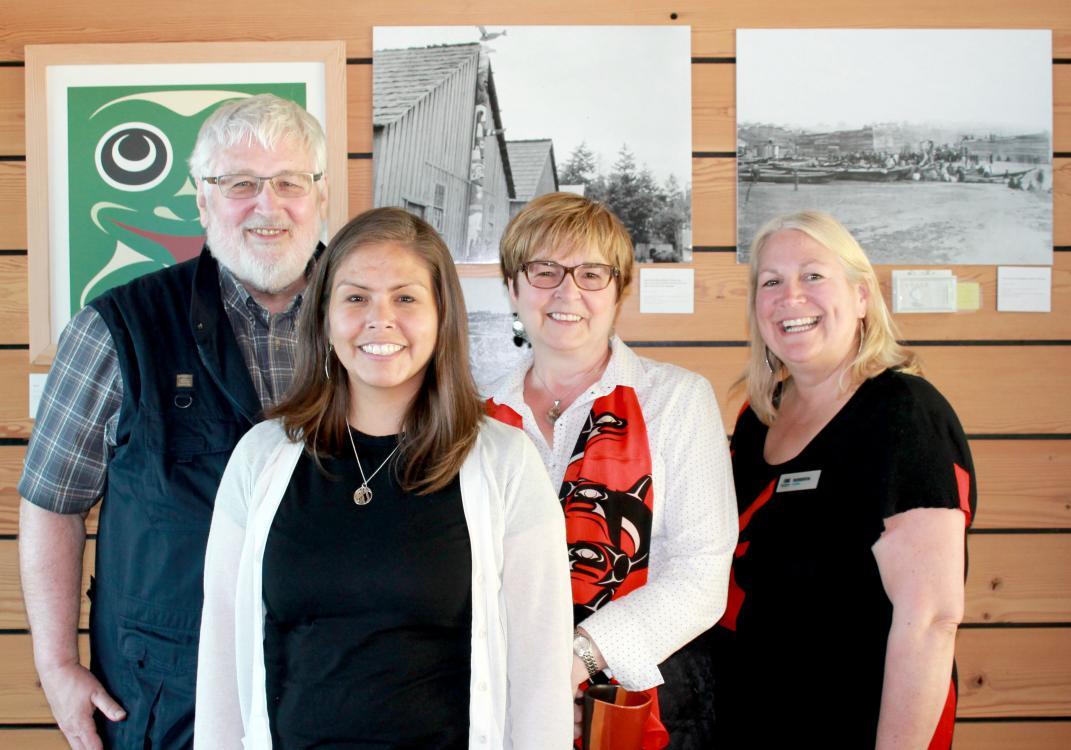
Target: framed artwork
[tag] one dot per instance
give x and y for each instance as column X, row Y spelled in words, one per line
column 470, row 123
column 109, row 129
column 933, row 146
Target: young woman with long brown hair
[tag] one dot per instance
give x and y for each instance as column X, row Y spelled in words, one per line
column 386, row 565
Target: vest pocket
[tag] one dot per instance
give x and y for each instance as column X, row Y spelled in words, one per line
column 187, row 453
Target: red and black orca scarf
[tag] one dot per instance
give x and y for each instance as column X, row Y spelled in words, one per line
column 608, row 499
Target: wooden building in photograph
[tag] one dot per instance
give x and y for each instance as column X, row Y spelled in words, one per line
column 439, row 146
column 534, row 170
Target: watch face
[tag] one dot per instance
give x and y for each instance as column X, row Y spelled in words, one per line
column 581, row 644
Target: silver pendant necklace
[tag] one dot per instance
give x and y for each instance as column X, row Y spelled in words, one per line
column 363, row 494
column 555, row 411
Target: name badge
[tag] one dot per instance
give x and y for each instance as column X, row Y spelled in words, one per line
column 800, row 480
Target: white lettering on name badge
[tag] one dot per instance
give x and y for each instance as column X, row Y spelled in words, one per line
column 801, row 480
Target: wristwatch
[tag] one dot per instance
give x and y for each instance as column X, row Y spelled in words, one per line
column 582, row 649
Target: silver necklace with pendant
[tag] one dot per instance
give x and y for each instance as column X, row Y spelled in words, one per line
column 555, row 411
column 363, row 494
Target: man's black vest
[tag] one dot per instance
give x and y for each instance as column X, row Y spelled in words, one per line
column 187, row 399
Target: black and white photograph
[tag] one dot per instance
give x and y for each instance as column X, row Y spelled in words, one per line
column 496, row 348
column 933, row 147
column 470, row 123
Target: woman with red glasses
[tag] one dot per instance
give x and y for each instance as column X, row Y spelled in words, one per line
column 638, row 450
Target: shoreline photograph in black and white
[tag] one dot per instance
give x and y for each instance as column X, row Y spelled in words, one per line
column 931, row 146
column 470, row 123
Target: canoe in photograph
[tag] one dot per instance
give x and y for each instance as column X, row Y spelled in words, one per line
column 785, row 177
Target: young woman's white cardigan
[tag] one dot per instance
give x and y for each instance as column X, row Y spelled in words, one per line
column 520, row 696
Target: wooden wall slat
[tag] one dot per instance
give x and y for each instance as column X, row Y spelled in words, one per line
column 1034, row 735
column 1061, row 107
column 1028, row 405
column 360, row 177
column 12, row 205
column 1014, row 672
column 713, row 108
column 33, row 739
column 1022, row 484
column 1013, row 578
column 1019, row 578
column 12, row 611
column 358, row 108
column 21, row 699
column 11, row 457
column 12, row 113
column 14, row 304
column 15, row 394
column 1003, row 673
column 713, row 26
column 720, row 306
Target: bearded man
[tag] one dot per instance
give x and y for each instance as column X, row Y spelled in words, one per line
column 152, row 386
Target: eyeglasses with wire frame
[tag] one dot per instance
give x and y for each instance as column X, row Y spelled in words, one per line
column 285, row 184
column 591, row 277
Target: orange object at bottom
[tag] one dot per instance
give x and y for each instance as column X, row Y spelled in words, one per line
column 618, row 719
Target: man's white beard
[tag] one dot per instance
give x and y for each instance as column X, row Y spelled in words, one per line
column 265, row 274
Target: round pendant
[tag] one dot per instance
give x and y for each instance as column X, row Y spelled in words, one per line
column 362, row 495
column 554, row 412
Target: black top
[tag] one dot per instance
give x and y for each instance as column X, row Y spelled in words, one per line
column 368, row 611
column 802, row 644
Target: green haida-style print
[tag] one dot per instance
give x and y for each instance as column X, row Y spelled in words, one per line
column 131, row 204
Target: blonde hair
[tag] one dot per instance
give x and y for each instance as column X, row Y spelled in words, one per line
column 560, row 222
column 878, row 350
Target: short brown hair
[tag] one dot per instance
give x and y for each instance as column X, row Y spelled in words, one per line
column 878, row 350
column 442, row 422
column 562, row 222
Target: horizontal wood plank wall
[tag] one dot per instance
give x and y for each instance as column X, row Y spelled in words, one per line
column 1005, row 373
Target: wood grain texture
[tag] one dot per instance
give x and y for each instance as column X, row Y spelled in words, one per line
column 1013, row 578
column 12, row 205
column 12, row 610
column 1014, row 672
column 1011, row 398
column 12, row 113
column 720, row 306
column 14, row 307
column 1022, row 484
column 21, row 698
column 1019, row 578
column 37, row 738
column 1034, row 735
column 1003, row 673
column 714, row 108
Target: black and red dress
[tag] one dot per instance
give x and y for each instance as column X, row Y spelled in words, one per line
column 801, row 647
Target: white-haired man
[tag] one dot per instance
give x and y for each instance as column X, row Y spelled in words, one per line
column 153, row 384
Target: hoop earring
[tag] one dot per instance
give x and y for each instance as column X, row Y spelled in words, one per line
column 327, row 362
column 766, row 359
column 520, row 337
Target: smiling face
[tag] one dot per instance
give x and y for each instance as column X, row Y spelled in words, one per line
column 807, row 310
column 383, row 321
column 266, row 241
column 567, row 318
